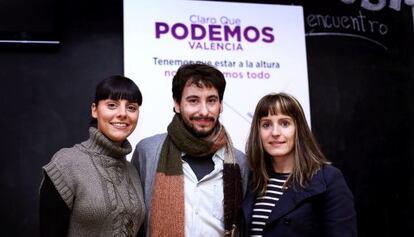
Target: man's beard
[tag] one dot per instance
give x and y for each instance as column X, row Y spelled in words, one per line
column 197, row 133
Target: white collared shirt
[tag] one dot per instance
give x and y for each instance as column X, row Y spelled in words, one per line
column 204, row 200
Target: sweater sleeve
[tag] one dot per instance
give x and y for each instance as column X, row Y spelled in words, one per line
column 54, row 214
column 60, row 172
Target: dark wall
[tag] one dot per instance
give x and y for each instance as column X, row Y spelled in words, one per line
column 362, row 110
column 46, row 96
column 361, row 101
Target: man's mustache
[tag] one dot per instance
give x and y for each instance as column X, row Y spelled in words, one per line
column 203, row 118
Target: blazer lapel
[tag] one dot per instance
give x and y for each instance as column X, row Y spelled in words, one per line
column 293, row 196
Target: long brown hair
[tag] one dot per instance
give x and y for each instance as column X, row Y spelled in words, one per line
column 308, row 157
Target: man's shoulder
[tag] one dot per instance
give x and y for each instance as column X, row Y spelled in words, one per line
column 238, row 153
column 148, row 148
column 240, row 157
column 152, row 140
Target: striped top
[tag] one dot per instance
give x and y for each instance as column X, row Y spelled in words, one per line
column 264, row 204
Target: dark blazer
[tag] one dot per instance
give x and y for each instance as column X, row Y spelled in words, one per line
column 323, row 208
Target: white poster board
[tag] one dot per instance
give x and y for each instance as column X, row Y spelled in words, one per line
column 260, row 48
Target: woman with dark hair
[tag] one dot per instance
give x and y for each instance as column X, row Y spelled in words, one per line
column 294, row 190
column 91, row 189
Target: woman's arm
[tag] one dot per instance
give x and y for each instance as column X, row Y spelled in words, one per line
column 339, row 210
column 54, row 214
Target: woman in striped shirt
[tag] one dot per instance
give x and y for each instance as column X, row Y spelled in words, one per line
column 294, row 190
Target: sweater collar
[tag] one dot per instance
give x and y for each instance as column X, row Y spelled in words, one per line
column 98, row 143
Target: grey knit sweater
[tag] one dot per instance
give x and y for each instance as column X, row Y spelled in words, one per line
column 100, row 187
